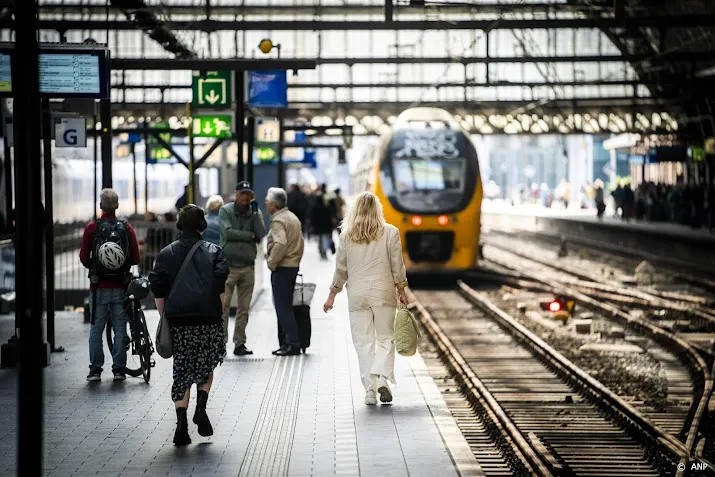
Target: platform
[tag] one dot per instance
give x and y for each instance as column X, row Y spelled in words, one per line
column 654, row 240
column 294, row 416
column 588, row 217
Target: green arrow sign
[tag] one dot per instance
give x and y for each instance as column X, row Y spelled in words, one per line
column 211, row 126
column 159, row 152
column 212, row 90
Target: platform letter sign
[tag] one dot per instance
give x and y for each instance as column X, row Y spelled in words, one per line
column 266, row 140
column 70, row 132
column 267, row 89
column 211, row 90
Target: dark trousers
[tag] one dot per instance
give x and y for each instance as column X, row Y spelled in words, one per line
column 283, row 284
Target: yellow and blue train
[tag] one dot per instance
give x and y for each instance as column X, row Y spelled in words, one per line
column 426, row 174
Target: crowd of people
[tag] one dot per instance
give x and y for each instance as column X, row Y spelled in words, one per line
column 683, row 204
column 194, row 276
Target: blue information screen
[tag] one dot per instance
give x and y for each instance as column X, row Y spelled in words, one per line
column 71, row 73
column 63, row 72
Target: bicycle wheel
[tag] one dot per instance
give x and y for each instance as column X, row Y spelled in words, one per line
column 145, row 346
column 110, row 338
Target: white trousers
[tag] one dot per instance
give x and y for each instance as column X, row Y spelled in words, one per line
column 374, row 339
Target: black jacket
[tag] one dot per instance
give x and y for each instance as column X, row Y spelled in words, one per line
column 196, row 299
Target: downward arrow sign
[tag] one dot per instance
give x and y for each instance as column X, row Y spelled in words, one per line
column 212, row 97
column 207, row 128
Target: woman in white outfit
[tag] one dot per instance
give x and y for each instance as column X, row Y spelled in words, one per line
column 369, row 259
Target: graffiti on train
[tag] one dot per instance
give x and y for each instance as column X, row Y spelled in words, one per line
column 427, row 144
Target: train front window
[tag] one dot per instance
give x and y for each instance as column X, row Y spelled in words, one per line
column 428, row 175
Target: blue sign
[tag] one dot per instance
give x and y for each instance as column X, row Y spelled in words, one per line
column 267, row 89
column 134, row 138
column 308, row 161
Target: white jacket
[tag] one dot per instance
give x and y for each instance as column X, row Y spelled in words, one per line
column 373, row 272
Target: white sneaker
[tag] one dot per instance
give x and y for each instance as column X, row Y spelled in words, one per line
column 370, row 398
column 384, row 389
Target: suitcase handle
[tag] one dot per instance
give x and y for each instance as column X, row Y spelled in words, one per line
column 302, row 288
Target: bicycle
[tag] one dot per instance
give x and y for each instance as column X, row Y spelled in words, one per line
column 139, row 339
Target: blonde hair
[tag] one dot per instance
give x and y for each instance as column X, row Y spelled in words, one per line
column 365, row 221
column 214, row 203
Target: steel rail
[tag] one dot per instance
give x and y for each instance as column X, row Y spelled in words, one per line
column 697, row 362
column 523, row 449
column 597, row 283
column 588, row 384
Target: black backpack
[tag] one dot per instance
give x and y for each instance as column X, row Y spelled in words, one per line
column 111, row 231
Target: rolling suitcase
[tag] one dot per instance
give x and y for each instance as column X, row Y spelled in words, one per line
column 302, row 296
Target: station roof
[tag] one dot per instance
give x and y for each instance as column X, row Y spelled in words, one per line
column 637, row 61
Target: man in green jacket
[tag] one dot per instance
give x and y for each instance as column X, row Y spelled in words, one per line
column 241, row 229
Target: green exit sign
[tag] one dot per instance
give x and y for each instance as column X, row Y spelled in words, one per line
column 211, row 90
column 212, row 126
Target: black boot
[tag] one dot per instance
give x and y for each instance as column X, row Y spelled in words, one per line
column 201, row 419
column 181, row 436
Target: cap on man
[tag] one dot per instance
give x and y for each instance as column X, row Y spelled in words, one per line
column 241, row 228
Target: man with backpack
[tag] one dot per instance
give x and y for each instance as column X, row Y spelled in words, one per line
column 109, row 249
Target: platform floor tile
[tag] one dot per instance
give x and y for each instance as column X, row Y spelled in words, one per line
column 292, row 416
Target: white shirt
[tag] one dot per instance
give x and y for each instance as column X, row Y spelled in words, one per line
column 373, row 271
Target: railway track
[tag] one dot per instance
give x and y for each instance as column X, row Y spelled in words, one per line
column 592, row 294
column 698, row 275
column 547, row 416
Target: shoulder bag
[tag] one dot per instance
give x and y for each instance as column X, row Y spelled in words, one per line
column 163, row 331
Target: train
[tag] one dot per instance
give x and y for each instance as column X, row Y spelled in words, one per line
column 425, row 171
column 75, row 198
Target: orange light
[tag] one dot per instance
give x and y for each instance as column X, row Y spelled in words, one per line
column 554, row 306
column 416, row 220
column 442, row 220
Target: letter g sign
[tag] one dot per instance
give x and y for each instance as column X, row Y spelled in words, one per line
column 70, row 137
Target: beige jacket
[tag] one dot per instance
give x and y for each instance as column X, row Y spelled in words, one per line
column 285, row 240
column 373, row 272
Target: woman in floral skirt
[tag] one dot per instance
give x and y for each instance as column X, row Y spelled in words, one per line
column 192, row 307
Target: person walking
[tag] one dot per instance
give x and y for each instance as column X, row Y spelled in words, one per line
column 241, row 229
column 212, row 234
column 322, row 221
column 369, row 260
column 339, row 202
column 298, row 204
column 285, row 250
column 192, row 307
column 109, row 249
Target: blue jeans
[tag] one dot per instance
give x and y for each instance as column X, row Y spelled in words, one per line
column 324, row 241
column 109, row 302
column 283, row 283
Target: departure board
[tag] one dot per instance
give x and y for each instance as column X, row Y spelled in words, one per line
column 5, row 73
column 65, row 71
column 69, row 73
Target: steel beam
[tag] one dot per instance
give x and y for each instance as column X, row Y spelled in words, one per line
column 211, row 65
column 143, row 18
column 468, row 84
column 616, row 105
column 292, row 64
column 661, row 21
column 237, row 8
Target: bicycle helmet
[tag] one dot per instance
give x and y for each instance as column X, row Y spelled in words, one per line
column 138, row 288
column 111, row 255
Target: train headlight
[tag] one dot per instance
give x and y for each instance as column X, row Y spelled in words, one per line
column 416, row 220
column 443, row 220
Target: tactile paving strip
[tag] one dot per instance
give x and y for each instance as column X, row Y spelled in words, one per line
column 269, row 451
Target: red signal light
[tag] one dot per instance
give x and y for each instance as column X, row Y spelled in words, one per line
column 416, row 220
column 442, row 220
column 555, row 306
